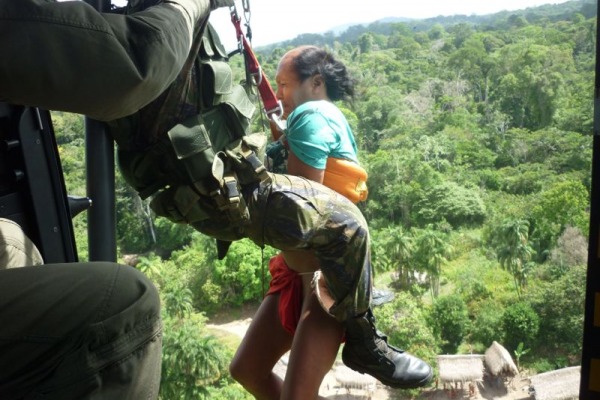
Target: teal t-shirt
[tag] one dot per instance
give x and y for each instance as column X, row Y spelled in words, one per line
column 317, row 130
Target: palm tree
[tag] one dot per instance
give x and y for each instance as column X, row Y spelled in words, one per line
column 433, row 251
column 178, row 302
column 396, row 251
column 514, row 252
column 192, row 360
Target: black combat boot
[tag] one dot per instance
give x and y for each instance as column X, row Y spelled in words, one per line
column 367, row 351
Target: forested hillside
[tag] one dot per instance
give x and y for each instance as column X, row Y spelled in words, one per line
column 476, row 133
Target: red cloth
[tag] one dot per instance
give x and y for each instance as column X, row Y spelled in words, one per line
column 288, row 284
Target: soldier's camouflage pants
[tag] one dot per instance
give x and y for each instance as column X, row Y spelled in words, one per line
column 294, row 213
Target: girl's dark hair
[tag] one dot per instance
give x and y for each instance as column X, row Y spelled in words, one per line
column 312, row 60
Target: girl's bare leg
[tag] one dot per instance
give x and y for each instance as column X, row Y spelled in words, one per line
column 314, row 349
column 263, row 345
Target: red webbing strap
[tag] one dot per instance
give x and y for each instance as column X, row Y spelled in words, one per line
column 273, row 107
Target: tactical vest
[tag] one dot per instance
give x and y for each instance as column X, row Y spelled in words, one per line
column 191, row 149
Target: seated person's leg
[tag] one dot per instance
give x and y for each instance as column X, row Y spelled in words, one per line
column 79, row 331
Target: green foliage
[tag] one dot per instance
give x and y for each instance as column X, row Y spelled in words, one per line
column 453, row 203
column 486, row 179
column 191, row 360
column 529, row 87
column 449, row 321
column 520, row 351
column 243, row 275
column 178, row 303
column 210, row 295
column 487, row 327
column 196, row 262
column 397, row 181
column 473, row 291
column 230, row 391
column 432, row 250
column 170, row 236
column 134, row 222
column 68, row 128
column 392, row 249
column 571, row 250
column 511, row 242
column 404, row 321
column 80, row 229
column 559, row 302
column 520, row 323
column 523, row 179
column 541, row 365
column 476, row 276
column 491, row 115
column 560, row 205
column 69, row 133
column 502, row 207
column 471, row 153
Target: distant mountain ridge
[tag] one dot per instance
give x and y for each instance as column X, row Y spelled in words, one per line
column 351, row 32
column 337, row 30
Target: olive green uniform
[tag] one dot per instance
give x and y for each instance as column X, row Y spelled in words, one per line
column 83, row 330
column 66, row 56
column 61, row 48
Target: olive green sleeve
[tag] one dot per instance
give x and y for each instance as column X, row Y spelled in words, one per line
column 67, row 56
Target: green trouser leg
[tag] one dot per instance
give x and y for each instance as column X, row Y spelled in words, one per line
column 79, row 331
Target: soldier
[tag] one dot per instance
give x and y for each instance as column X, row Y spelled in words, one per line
column 234, row 197
column 83, row 330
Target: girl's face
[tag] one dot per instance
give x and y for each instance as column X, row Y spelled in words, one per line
column 290, row 90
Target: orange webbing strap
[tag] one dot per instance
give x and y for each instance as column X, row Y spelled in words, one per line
column 347, row 178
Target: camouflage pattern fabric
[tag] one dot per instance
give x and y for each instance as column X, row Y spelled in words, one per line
column 277, row 156
column 294, row 213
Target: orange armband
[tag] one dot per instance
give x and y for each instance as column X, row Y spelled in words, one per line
column 347, row 178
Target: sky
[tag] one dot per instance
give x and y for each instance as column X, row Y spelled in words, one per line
column 278, row 20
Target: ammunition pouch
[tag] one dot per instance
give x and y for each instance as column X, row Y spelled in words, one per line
column 208, row 181
column 191, row 149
